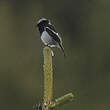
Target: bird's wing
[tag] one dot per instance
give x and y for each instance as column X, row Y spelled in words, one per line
column 52, row 27
column 53, row 34
column 56, row 37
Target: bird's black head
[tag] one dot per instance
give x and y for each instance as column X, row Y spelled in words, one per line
column 43, row 22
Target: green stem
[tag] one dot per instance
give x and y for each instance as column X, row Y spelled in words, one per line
column 62, row 100
column 48, row 76
column 48, row 84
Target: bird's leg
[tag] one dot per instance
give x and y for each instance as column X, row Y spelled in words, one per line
column 51, row 50
column 52, row 53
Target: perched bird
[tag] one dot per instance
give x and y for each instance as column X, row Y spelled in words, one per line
column 49, row 35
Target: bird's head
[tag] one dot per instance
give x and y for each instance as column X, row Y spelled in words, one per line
column 43, row 22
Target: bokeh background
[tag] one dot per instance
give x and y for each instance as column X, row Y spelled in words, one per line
column 84, row 26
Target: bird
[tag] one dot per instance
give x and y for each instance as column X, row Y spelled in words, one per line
column 49, row 35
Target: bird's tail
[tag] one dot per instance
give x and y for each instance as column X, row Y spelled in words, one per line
column 62, row 48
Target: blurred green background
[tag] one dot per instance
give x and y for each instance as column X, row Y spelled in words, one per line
column 84, row 26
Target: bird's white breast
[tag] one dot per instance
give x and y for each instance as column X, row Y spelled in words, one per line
column 45, row 37
column 48, row 40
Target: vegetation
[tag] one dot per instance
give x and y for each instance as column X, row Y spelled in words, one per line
column 50, row 103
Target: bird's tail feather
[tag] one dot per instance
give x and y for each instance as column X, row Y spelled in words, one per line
column 62, row 48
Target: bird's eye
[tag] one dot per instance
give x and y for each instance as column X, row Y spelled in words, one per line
column 46, row 21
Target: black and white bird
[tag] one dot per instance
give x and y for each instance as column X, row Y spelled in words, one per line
column 49, row 35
